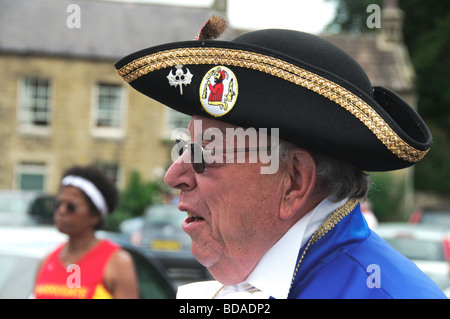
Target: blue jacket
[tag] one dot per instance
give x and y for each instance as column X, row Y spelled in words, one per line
column 351, row 261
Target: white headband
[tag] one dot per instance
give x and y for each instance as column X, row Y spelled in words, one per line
column 89, row 189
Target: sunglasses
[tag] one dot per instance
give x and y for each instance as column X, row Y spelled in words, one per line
column 198, row 153
column 70, row 207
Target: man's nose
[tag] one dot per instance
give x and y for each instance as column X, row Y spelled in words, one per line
column 180, row 174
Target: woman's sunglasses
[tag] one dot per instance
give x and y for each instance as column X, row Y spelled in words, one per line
column 70, row 207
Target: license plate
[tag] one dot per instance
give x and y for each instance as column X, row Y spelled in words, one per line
column 166, row 245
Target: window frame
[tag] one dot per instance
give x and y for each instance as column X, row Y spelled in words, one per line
column 25, row 127
column 109, row 131
column 31, row 168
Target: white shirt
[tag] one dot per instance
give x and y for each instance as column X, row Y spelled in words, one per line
column 272, row 275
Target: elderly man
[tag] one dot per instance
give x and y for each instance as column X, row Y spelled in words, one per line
column 295, row 231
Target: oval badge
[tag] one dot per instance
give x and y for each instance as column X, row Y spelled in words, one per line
column 218, row 91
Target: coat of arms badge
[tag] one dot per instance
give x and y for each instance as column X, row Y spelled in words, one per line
column 218, row 91
column 180, row 78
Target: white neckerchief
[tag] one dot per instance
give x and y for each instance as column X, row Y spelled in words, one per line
column 272, row 275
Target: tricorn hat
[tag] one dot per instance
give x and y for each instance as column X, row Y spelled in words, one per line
column 315, row 93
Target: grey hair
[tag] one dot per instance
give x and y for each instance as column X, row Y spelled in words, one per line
column 335, row 178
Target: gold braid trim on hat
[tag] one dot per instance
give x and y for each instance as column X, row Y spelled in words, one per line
column 281, row 69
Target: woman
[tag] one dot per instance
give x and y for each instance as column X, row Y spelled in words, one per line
column 85, row 266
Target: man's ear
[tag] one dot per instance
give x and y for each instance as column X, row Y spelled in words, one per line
column 300, row 183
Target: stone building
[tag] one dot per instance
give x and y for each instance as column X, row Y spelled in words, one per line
column 61, row 101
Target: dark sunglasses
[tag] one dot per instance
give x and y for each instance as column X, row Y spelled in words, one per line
column 198, row 153
column 70, row 207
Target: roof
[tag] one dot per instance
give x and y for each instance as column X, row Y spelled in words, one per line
column 109, row 29
column 389, row 67
column 114, row 29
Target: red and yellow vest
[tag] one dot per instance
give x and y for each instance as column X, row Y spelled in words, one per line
column 84, row 280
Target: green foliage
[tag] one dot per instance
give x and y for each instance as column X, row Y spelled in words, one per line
column 137, row 195
column 112, row 222
column 426, row 35
column 426, row 32
column 433, row 172
column 387, row 197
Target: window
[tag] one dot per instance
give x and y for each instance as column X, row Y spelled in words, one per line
column 112, row 170
column 35, row 111
column 31, row 176
column 109, row 113
column 174, row 121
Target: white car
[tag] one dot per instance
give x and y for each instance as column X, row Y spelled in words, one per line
column 427, row 246
column 14, row 207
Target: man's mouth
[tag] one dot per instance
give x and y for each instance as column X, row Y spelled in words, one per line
column 193, row 218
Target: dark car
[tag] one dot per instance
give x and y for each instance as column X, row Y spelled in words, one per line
column 161, row 236
column 41, row 209
column 22, row 248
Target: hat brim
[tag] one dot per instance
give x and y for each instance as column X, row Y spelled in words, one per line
column 313, row 108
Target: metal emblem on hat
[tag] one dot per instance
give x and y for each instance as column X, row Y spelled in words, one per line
column 218, row 91
column 180, row 78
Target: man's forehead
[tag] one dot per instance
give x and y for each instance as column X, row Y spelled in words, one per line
column 209, row 123
column 203, row 130
column 198, row 125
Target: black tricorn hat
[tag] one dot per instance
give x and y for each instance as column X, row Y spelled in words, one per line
column 315, row 93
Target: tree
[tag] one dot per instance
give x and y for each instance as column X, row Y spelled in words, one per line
column 137, row 195
column 426, row 33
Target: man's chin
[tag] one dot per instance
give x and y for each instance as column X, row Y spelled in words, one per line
column 205, row 256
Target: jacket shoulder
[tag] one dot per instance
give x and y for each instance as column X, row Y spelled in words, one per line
column 371, row 269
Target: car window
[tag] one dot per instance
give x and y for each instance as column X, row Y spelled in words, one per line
column 151, row 283
column 418, row 249
column 442, row 219
column 17, row 276
column 12, row 204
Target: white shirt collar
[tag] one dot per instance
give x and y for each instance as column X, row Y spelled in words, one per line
column 273, row 273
